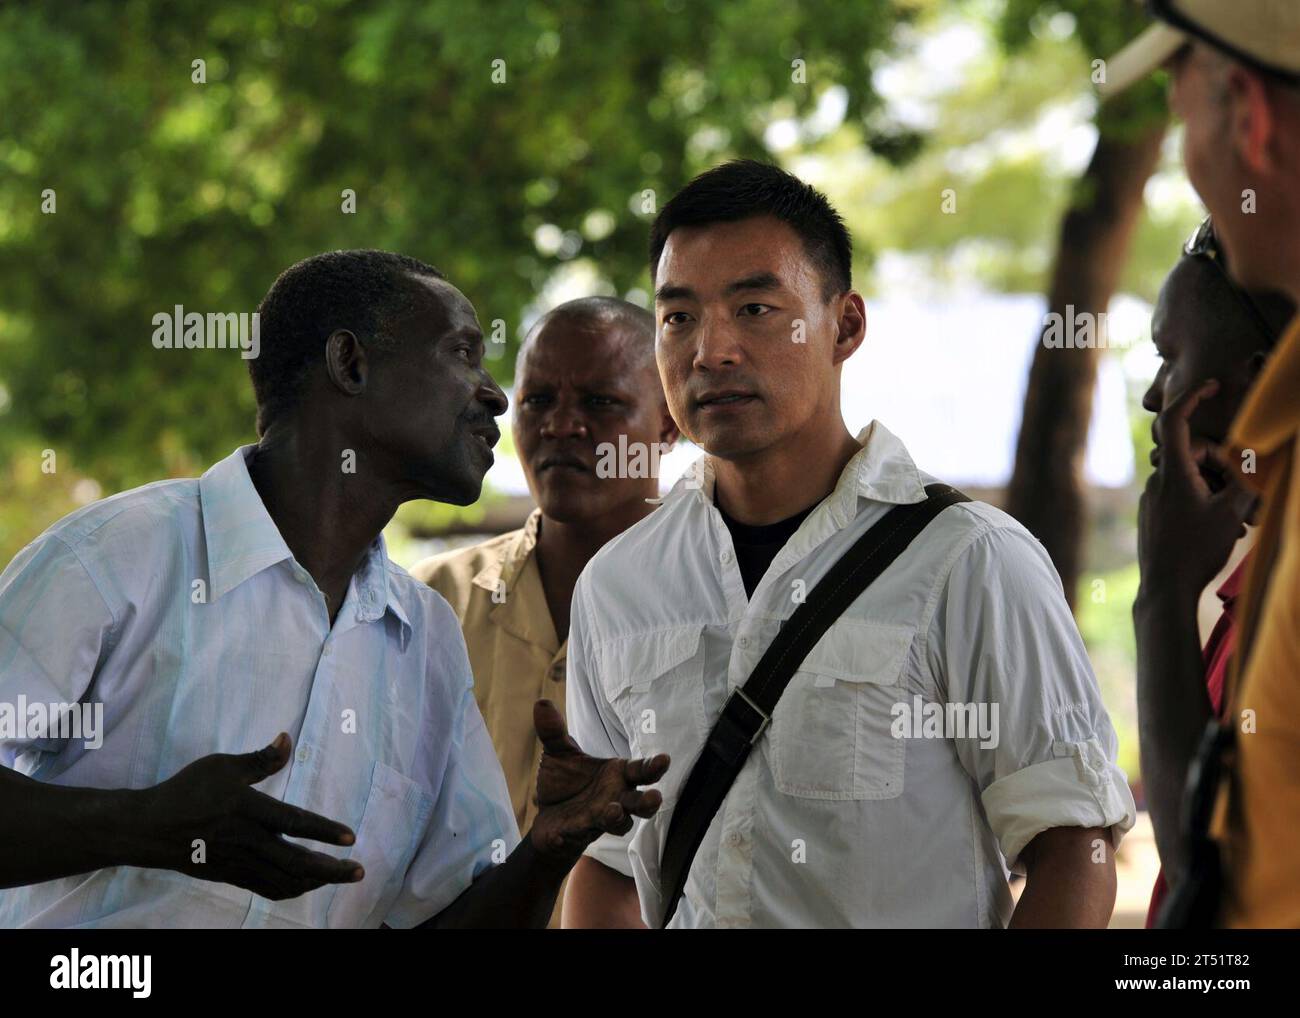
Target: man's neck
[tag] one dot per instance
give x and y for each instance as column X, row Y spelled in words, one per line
column 783, row 480
column 328, row 518
column 564, row 549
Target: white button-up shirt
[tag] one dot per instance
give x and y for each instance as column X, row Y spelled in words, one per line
column 851, row 810
column 179, row 607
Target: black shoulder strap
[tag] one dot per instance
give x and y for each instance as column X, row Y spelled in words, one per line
column 748, row 710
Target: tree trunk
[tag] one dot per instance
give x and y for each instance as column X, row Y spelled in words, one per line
column 1046, row 490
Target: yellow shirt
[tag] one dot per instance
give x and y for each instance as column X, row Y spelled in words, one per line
column 1258, row 817
column 495, row 589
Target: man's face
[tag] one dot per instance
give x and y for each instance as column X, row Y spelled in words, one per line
column 745, row 343
column 430, row 403
column 1200, row 96
column 1201, row 334
column 582, row 383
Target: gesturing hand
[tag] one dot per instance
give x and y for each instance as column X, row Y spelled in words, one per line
column 240, row 828
column 1185, row 530
column 581, row 797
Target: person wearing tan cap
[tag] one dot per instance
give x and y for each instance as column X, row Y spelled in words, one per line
column 1235, row 71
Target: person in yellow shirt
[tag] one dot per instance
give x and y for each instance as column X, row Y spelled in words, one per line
column 590, row 424
column 1235, row 72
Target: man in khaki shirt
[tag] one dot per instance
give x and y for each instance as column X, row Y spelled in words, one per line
column 590, row 423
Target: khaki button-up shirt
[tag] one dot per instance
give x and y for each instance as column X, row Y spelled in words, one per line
column 495, row 589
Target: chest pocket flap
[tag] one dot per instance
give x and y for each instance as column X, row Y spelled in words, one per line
column 655, row 684
column 831, row 735
column 636, row 662
column 853, row 651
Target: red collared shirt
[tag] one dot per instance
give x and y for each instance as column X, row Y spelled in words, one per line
column 1217, row 652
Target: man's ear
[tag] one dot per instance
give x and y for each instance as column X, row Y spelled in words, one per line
column 1253, row 120
column 669, row 433
column 852, row 325
column 346, row 362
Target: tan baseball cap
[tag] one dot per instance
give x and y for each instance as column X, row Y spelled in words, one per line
column 1261, row 33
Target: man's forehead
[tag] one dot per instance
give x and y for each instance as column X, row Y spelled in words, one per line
column 586, row 347
column 446, row 309
column 760, row 250
column 1184, row 305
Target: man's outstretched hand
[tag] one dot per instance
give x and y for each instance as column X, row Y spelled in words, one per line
column 581, row 797
column 241, row 829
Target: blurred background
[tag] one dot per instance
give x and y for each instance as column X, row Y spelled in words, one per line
column 155, row 154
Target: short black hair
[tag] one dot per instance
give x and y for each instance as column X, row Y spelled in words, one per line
column 744, row 188
column 361, row 291
column 607, row 311
column 1273, row 310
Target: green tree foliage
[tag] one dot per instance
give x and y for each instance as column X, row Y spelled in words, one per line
column 175, row 192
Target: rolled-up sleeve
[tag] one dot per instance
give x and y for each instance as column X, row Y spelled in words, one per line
column 1002, row 636
column 592, row 722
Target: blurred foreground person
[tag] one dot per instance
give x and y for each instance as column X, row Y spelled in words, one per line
column 200, row 615
column 1208, row 333
column 1235, row 69
column 590, row 424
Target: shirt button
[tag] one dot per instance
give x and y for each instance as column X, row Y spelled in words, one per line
column 300, row 576
column 725, row 557
column 304, row 754
column 734, row 839
column 370, row 595
column 743, row 641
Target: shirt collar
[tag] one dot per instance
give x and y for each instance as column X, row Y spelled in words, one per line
column 505, row 566
column 242, row 540
column 375, row 590
column 523, row 612
column 882, row 471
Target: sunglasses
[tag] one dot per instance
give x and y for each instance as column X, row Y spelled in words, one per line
column 1204, row 244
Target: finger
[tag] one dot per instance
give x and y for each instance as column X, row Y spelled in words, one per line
column 251, row 878
column 642, row 804
column 647, row 772
column 261, row 764
column 1175, row 431
column 277, row 886
column 615, row 820
column 303, row 864
column 251, row 873
column 1185, row 403
column 551, row 729
column 1241, row 501
column 295, row 822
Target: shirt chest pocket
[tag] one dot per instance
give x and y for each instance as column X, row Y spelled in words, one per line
column 830, row 734
column 396, row 812
column 655, row 684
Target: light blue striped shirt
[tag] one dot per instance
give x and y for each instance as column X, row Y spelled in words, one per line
column 179, row 607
